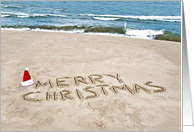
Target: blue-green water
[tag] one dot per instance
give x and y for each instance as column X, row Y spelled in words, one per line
column 141, row 19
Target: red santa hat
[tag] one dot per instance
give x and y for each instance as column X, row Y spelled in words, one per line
column 27, row 80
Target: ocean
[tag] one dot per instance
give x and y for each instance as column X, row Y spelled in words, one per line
column 139, row 19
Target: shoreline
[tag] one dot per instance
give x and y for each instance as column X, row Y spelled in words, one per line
column 72, row 32
column 69, row 71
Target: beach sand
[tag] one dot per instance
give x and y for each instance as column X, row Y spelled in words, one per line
column 82, row 63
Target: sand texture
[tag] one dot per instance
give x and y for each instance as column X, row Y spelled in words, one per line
column 85, row 82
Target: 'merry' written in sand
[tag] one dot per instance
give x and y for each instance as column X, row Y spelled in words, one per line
column 65, row 94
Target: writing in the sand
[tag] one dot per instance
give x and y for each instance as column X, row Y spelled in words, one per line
column 64, row 94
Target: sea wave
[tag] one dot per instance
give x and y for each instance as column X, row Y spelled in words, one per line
column 97, row 17
column 12, row 14
column 116, row 31
column 158, row 18
column 22, row 15
column 11, row 6
column 168, row 36
column 45, row 27
column 4, row 15
column 153, row 34
column 171, row 20
column 105, row 18
column 44, row 15
column 82, row 28
column 145, row 34
column 44, row 30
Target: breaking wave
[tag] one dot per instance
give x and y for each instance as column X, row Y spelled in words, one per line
column 11, row 6
column 22, row 15
column 118, row 31
column 156, row 18
column 105, row 19
column 97, row 17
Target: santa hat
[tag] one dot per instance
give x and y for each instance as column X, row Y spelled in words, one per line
column 27, row 80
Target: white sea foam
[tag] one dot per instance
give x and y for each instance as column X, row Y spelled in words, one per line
column 105, row 18
column 7, row 13
column 4, row 15
column 19, row 14
column 159, row 18
column 14, row 6
column 145, row 34
column 171, row 20
column 22, row 16
column 17, row 29
column 152, row 17
column 89, row 14
column 34, row 15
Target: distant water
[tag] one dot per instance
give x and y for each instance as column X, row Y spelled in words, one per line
column 140, row 19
